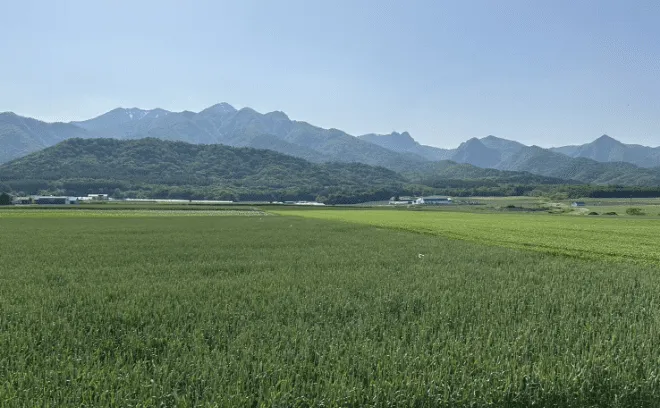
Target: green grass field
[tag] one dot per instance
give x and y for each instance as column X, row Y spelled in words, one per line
column 632, row 239
column 295, row 310
column 61, row 212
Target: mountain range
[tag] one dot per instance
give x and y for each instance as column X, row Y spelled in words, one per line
column 494, row 152
column 603, row 161
column 501, row 154
column 607, row 149
column 223, row 124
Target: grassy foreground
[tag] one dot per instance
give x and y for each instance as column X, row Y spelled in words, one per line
column 628, row 239
column 126, row 211
column 287, row 311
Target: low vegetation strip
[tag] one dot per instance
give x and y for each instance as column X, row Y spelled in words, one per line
column 585, row 237
column 119, row 213
column 293, row 312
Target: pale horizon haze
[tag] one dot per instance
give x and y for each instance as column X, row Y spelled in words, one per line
column 544, row 73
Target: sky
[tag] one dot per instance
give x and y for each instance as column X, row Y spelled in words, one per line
column 548, row 73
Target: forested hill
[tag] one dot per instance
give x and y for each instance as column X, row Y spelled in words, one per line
column 156, row 168
column 447, row 173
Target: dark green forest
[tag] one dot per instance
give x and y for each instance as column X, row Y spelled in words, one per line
column 153, row 168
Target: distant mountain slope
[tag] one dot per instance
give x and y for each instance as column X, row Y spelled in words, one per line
column 81, row 164
column 505, row 148
column 496, row 153
column 224, row 124
column 20, row 136
column 476, row 153
column 486, row 152
column 404, row 143
column 123, row 123
column 547, row 163
column 607, row 149
column 450, row 171
column 218, row 124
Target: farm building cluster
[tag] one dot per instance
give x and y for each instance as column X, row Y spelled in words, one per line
column 429, row 200
column 59, row 200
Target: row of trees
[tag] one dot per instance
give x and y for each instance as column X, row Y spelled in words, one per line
column 5, row 199
column 328, row 195
column 558, row 191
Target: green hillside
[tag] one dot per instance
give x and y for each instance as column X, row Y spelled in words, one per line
column 544, row 162
column 445, row 172
column 157, row 168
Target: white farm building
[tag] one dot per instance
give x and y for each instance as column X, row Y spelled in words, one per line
column 403, row 200
column 434, row 200
column 429, row 200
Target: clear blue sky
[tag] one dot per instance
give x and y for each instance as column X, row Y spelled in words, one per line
column 541, row 72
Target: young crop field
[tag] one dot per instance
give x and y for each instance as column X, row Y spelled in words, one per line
column 123, row 213
column 631, row 239
column 294, row 311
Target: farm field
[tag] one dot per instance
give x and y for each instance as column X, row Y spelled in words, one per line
column 631, row 239
column 304, row 310
column 647, row 210
column 61, row 212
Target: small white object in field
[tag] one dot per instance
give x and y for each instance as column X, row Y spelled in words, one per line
column 420, row 256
